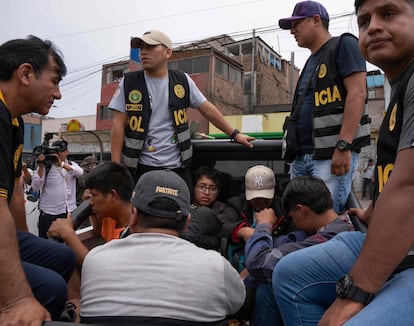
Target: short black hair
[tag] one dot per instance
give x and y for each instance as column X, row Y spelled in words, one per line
column 110, row 175
column 31, row 50
column 151, row 221
column 309, row 191
column 325, row 23
column 357, row 3
column 209, row 172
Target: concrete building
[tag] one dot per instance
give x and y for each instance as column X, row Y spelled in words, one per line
column 32, row 135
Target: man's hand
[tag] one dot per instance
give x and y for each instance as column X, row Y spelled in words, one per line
column 245, row 233
column 24, row 312
column 266, row 215
column 341, row 162
column 363, row 214
column 339, row 312
column 61, row 228
column 86, row 194
column 244, row 140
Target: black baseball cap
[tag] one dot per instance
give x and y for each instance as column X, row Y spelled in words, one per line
column 162, row 184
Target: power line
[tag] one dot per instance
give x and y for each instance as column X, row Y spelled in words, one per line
column 155, row 18
column 80, row 76
column 238, row 34
column 265, row 29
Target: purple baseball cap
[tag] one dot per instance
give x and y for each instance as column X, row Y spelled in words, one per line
column 302, row 10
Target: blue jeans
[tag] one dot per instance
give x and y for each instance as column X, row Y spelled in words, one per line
column 265, row 310
column 340, row 187
column 48, row 265
column 304, row 285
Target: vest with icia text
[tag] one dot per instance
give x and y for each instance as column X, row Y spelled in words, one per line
column 329, row 101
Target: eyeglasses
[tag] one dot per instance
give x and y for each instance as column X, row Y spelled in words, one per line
column 202, row 187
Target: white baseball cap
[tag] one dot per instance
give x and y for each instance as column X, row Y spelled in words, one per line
column 260, row 182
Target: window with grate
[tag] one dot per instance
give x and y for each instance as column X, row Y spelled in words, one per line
column 222, row 69
column 105, row 113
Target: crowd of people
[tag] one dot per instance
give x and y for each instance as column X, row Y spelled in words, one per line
column 177, row 249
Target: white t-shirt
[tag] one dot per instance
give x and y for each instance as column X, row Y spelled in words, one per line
column 159, row 275
column 160, row 148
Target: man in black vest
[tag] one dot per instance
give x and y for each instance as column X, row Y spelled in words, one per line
column 329, row 102
column 372, row 276
column 150, row 125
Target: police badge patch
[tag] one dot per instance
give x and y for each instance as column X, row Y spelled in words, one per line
column 135, row 96
column 179, row 91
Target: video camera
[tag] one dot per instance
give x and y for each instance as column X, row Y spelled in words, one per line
column 49, row 151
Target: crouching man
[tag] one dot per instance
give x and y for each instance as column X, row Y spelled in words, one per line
column 166, row 280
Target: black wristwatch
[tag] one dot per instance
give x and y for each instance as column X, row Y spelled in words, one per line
column 342, row 145
column 345, row 289
column 234, row 134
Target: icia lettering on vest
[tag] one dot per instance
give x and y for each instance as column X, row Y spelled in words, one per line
column 329, row 95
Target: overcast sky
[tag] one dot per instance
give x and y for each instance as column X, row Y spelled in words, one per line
column 91, row 33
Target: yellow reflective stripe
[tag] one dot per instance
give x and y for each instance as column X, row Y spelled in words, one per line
column 15, row 121
column 2, row 98
column 4, row 192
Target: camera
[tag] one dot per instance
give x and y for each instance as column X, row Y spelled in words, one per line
column 49, row 151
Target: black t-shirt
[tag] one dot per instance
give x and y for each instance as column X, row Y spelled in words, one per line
column 11, row 147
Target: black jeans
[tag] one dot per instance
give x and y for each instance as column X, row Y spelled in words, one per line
column 45, row 220
column 367, row 183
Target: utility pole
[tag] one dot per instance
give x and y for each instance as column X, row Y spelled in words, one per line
column 253, row 74
column 292, row 74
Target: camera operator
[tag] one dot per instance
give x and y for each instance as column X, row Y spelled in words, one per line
column 56, row 178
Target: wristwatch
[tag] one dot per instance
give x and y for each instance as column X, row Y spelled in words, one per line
column 343, row 145
column 345, row 289
column 234, row 134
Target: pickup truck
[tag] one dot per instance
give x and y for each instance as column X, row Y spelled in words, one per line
column 234, row 159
